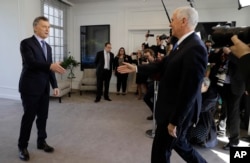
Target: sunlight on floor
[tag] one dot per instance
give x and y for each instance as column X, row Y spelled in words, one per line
column 225, row 156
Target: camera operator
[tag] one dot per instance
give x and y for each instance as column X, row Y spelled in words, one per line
column 159, row 47
column 231, row 87
column 242, row 51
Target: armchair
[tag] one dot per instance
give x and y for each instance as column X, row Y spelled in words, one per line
column 88, row 81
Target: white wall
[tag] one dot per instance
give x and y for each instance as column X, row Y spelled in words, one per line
column 128, row 18
column 16, row 24
column 125, row 17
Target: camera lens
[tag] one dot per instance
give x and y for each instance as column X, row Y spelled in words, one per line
column 222, row 35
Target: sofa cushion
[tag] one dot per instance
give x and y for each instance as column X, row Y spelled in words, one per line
column 89, row 81
column 63, row 84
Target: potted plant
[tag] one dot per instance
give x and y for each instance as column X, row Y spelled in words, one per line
column 70, row 63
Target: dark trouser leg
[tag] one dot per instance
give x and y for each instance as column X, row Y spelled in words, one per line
column 164, row 143
column 160, row 145
column 119, row 82
column 106, row 76
column 42, row 116
column 30, row 105
column 184, row 148
column 99, row 86
column 124, row 82
column 234, row 118
column 149, row 96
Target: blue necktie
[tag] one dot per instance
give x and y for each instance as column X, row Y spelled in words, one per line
column 175, row 47
column 44, row 48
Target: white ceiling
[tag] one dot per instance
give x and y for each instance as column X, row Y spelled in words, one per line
column 84, row 1
column 196, row 3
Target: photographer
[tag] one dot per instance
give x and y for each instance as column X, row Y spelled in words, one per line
column 242, row 51
column 159, row 47
column 231, row 87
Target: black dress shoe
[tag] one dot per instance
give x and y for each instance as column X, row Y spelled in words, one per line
column 24, row 154
column 150, row 117
column 228, row 145
column 108, row 99
column 44, row 146
column 97, row 100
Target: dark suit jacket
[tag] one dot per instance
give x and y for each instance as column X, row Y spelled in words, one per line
column 36, row 74
column 236, row 78
column 179, row 91
column 99, row 62
column 245, row 70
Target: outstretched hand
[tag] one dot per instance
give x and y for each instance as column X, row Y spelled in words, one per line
column 126, row 68
column 56, row 67
column 239, row 48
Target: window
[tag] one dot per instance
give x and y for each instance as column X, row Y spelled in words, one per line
column 243, row 3
column 56, row 12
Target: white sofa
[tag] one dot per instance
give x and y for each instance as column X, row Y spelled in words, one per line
column 88, row 81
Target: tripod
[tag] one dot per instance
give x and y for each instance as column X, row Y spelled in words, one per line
column 151, row 133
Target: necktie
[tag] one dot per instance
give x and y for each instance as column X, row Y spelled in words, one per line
column 107, row 60
column 175, row 47
column 44, row 48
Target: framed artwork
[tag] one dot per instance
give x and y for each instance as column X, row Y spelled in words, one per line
column 93, row 39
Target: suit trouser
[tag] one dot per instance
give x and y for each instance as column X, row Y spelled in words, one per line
column 164, row 143
column 33, row 106
column 230, row 113
column 103, row 76
column 121, row 82
column 149, row 96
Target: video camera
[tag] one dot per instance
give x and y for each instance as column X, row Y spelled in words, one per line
column 222, row 35
column 162, row 37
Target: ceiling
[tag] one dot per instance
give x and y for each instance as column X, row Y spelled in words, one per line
column 200, row 3
column 84, row 1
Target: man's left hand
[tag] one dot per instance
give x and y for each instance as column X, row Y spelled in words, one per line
column 56, row 92
column 172, row 130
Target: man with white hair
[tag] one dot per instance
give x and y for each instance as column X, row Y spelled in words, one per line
column 179, row 95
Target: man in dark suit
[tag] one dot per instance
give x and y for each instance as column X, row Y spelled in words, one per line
column 179, row 95
column 231, row 88
column 34, row 86
column 242, row 51
column 104, row 62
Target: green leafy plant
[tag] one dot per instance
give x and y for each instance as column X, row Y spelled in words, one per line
column 70, row 63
